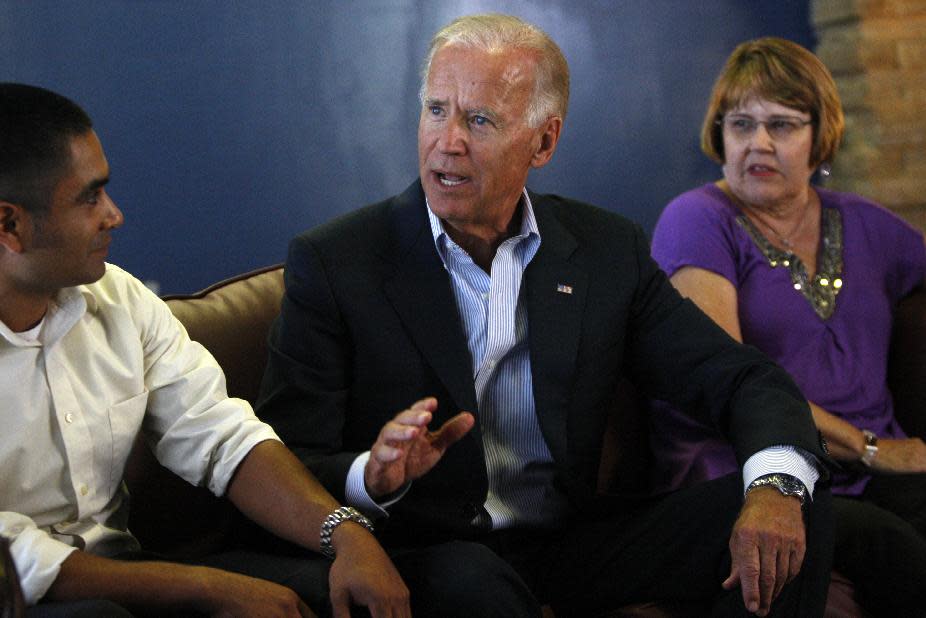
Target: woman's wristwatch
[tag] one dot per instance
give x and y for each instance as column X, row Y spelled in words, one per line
column 871, row 447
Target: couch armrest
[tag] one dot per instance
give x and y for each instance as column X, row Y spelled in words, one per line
column 907, row 365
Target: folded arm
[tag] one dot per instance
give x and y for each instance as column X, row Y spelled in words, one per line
column 172, row 587
column 55, row 571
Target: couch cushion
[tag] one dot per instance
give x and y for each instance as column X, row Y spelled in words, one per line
column 232, row 319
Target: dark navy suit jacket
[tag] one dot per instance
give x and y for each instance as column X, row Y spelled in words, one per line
column 369, row 325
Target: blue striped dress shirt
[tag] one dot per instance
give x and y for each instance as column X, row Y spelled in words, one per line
column 518, row 462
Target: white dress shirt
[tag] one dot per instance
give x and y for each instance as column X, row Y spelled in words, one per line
column 109, row 360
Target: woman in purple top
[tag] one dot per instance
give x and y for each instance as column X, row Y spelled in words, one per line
column 812, row 278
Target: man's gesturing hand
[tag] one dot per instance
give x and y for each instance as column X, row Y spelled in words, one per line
column 405, row 450
column 767, row 547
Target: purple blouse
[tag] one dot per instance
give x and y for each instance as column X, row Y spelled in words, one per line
column 835, row 348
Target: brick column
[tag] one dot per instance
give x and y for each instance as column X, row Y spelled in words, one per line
column 876, row 50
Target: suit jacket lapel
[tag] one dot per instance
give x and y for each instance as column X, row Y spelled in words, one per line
column 555, row 292
column 421, row 293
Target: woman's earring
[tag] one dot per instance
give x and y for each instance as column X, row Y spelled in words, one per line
column 825, row 169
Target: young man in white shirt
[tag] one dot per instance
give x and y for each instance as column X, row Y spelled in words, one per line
column 86, row 354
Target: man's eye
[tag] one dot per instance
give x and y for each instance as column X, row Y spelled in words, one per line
column 435, row 110
column 480, row 120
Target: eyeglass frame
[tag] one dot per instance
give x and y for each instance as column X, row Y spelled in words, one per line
column 770, row 132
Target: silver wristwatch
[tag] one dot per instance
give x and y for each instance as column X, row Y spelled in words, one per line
column 785, row 483
column 335, row 519
column 871, row 447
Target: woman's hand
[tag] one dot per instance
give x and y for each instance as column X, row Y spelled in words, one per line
column 900, row 456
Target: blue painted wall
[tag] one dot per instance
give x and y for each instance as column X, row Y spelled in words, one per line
column 231, row 126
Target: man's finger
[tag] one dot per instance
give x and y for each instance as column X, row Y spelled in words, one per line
column 376, row 611
column 383, row 453
column 452, row 430
column 413, row 418
column 340, row 604
column 782, row 573
column 748, row 572
column 428, row 403
column 768, row 560
column 732, row 580
column 797, row 560
column 397, row 432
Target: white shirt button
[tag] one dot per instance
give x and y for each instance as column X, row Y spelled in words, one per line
column 68, row 418
column 84, row 490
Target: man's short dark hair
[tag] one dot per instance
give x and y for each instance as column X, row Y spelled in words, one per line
column 36, row 126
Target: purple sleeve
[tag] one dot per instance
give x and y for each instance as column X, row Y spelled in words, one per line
column 910, row 264
column 696, row 229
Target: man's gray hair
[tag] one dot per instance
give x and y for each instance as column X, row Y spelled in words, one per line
column 495, row 32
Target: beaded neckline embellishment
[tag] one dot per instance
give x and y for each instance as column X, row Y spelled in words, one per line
column 821, row 292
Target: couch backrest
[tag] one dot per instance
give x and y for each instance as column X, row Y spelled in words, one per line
column 232, row 319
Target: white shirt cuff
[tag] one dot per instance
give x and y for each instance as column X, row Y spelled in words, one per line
column 355, row 491
column 36, row 555
column 786, row 460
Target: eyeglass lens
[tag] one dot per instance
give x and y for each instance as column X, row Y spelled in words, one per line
column 777, row 128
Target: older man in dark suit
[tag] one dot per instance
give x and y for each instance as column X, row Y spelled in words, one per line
column 516, row 315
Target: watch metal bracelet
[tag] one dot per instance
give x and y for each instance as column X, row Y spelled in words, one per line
column 335, row 519
column 785, row 483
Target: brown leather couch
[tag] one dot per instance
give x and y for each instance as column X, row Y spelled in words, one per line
column 232, row 318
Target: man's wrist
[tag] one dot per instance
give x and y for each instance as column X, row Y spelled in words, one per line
column 337, row 517
column 355, row 491
column 785, row 483
column 783, row 459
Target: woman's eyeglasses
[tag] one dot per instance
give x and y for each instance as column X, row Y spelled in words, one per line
column 778, row 128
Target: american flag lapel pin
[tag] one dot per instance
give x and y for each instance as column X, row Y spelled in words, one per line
column 562, row 288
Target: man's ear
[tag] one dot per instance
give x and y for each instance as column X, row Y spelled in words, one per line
column 548, row 140
column 12, row 225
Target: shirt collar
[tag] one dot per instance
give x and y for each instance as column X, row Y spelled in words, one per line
column 528, row 230
column 64, row 311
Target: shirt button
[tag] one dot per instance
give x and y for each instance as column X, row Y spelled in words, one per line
column 84, row 490
column 68, row 418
